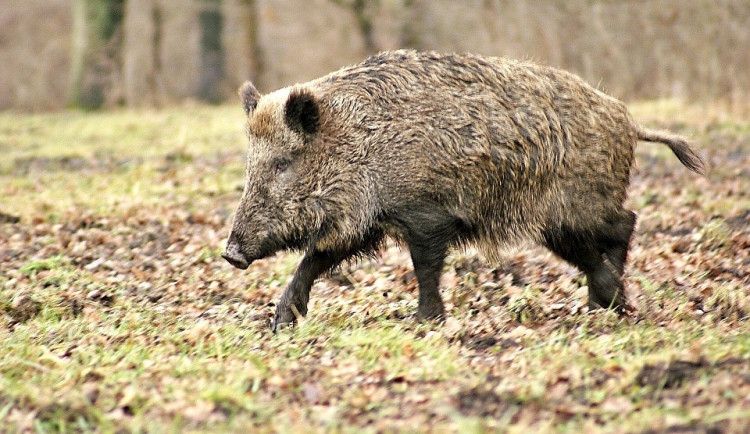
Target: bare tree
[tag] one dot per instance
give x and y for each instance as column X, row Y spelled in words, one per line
column 97, row 35
column 254, row 48
column 410, row 37
column 362, row 10
column 142, row 54
column 211, row 52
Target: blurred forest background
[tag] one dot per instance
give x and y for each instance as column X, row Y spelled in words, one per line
column 102, row 53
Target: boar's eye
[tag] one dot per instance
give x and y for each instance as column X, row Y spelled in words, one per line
column 280, row 165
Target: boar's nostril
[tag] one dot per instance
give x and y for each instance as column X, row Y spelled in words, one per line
column 234, row 256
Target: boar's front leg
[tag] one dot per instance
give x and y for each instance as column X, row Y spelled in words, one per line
column 428, row 234
column 428, row 265
column 297, row 293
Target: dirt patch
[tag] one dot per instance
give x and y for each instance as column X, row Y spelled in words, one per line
column 484, row 342
column 677, row 372
column 23, row 308
column 668, row 375
column 29, row 165
column 7, row 218
column 739, row 221
column 102, row 161
column 482, row 401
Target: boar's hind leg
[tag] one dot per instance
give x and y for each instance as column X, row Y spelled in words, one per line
column 605, row 287
column 297, row 293
column 616, row 240
column 600, row 256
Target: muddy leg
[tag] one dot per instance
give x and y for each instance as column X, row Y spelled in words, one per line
column 616, row 241
column 297, row 294
column 601, row 261
column 428, row 265
column 429, row 233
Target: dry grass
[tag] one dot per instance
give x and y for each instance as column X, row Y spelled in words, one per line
column 117, row 313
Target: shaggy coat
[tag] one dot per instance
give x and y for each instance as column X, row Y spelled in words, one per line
column 439, row 150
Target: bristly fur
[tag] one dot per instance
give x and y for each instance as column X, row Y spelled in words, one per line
column 440, row 150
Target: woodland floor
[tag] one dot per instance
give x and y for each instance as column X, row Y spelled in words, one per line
column 117, row 312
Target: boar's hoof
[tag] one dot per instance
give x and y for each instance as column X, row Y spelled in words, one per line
column 431, row 312
column 620, row 307
column 282, row 320
column 286, row 316
column 277, row 326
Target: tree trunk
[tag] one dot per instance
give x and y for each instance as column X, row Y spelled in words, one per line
column 363, row 18
column 364, row 23
column 95, row 52
column 410, row 26
column 254, row 48
column 142, row 53
column 211, row 52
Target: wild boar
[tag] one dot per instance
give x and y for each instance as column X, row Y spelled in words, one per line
column 439, row 151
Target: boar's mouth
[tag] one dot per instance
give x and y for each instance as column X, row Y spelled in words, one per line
column 241, row 258
column 237, row 261
column 235, row 256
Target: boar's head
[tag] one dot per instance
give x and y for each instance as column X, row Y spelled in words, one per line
column 281, row 206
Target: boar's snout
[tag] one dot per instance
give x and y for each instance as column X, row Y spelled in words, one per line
column 234, row 255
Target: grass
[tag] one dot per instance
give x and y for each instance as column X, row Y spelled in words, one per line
column 117, row 313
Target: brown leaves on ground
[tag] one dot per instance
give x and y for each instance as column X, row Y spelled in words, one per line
column 120, row 313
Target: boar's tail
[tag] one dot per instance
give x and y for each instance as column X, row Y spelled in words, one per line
column 681, row 148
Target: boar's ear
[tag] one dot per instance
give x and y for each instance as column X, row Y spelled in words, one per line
column 301, row 112
column 249, row 96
